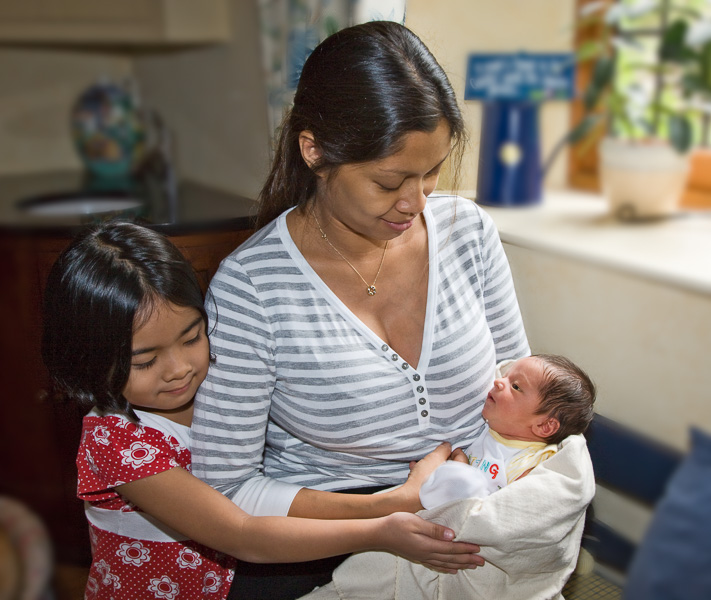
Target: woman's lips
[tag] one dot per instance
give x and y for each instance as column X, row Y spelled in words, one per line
column 399, row 227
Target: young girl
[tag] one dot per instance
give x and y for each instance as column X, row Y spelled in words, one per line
column 125, row 333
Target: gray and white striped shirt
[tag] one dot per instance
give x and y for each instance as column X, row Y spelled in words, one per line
column 336, row 407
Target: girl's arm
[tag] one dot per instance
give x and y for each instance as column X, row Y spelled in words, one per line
column 196, row 510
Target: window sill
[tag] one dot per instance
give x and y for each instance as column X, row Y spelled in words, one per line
column 675, row 251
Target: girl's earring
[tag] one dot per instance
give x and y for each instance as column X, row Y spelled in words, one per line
column 213, row 357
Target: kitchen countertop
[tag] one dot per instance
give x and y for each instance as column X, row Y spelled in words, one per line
column 196, row 207
column 675, row 251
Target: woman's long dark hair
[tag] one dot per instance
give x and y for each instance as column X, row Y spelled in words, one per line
column 105, row 283
column 360, row 92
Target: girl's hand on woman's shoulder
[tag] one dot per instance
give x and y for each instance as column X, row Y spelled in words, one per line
column 428, row 543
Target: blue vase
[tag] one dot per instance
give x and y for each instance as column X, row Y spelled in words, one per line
column 108, row 132
column 509, row 155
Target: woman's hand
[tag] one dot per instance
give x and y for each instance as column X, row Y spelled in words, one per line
column 427, row 543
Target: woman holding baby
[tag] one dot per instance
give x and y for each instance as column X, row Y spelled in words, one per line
column 360, row 326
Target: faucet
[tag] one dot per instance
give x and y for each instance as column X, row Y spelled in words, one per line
column 157, row 164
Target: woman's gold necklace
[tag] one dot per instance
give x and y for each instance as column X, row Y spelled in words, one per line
column 368, row 288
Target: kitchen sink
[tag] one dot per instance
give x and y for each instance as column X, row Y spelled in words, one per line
column 64, row 205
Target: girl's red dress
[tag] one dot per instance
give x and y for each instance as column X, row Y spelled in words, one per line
column 113, row 451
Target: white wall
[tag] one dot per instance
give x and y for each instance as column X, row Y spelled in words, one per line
column 453, row 29
column 645, row 344
column 214, row 99
column 37, row 90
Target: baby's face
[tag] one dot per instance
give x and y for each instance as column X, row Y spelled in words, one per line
column 511, row 404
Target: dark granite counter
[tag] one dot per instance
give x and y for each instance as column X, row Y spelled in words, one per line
column 193, row 208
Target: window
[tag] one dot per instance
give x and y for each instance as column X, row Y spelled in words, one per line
column 642, row 36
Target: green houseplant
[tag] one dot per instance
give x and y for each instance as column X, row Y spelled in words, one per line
column 641, row 102
column 687, row 46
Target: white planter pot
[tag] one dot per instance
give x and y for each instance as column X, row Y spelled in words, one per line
column 642, row 181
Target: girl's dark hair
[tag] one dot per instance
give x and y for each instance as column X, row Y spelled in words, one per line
column 567, row 394
column 360, row 92
column 105, row 283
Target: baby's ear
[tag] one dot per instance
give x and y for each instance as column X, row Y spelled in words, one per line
column 547, row 427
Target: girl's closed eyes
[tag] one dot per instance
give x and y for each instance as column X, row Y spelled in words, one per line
column 166, row 384
column 198, row 326
column 144, row 365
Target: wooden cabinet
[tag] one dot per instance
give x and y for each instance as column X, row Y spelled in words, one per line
column 114, row 22
column 205, row 251
column 38, row 434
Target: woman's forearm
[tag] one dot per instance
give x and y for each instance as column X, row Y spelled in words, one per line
column 315, row 504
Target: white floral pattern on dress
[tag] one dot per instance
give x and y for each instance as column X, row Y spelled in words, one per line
column 133, row 428
column 168, row 575
column 92, row 538
column 107, row 577
column 173, row 443
column 129, row 506
column 90, row 462
column 211, row 583
column 133, row 553
column 92, row 587
column 189, row 559
column 164, row 588
column 138, row 454
column 101, row 435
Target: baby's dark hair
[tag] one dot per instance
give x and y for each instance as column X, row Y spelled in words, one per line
column 567, row 394
column 102, row 286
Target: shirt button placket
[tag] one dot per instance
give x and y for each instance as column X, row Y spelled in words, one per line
column 418, row 388
column 423, row 403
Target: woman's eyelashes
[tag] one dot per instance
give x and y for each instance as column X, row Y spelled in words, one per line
column 388, row 188
column 393, row 187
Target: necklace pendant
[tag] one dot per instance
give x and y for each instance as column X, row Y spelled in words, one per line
column 371, row 290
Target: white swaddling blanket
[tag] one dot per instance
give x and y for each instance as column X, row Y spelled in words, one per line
column 529, row 533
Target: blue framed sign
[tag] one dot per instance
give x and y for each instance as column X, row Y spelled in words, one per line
column 520, row 77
